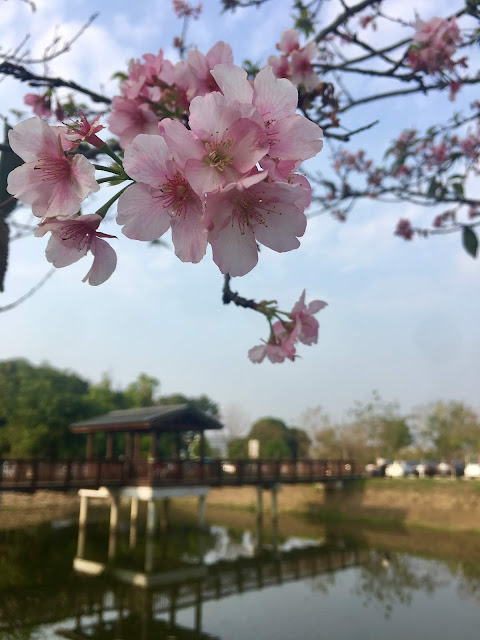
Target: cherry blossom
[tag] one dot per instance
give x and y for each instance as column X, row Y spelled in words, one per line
column 72, row 239
column 243, row 214
column 299, row 326
column 129, row 118
column 162, row 198
column 41, row 104
column 84, row 131
column 54, row 184
column 224, row 143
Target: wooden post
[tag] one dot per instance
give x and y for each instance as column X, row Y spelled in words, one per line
column 109, row 447
column 136, row 445
column 128, row 446
column 89, row 448
column 153, row 446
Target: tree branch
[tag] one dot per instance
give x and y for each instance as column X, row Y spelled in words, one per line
column 34, row 80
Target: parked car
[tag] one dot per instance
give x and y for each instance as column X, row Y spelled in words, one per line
column 400, row 469
column 427, row 468
column 472, row 471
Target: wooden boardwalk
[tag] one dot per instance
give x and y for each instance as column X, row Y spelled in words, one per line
column 31, row 475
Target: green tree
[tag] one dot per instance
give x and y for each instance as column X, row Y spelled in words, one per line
column 238, row 448
column 203, row 402
column 451, row 429
column 37, row 404
column 141, row 393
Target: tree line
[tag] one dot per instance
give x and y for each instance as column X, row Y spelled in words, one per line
column 38, row 403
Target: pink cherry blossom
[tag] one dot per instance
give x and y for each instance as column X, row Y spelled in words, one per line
column 301, row 70
column 241, row 215
column 224, row 143
column 404, row 229
column 306, row 323
column 54, row 184
column 290, row 135
column 72, row 239
column 437, row 41
column 129, row 118
column 300, row 326
column 193, row 75
column 184, row 10
column 41, row 104
column 289, row 41
column 84, row 131
column 162, row 198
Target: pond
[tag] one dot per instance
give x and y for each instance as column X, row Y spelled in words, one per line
column 231, row 581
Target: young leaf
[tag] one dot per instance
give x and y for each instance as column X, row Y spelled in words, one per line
column 470, row 241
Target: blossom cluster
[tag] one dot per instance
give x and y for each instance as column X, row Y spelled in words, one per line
column 226, row 177
column 295, row 62
column 435, row 42
column 229, row 179
column 155, row 89
column 298, row 326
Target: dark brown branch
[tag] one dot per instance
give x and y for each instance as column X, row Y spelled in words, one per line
column 34, row 80
column 232, row 296
column 348, row 13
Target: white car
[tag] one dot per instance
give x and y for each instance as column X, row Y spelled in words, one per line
column 472, row 470
column 400, row 469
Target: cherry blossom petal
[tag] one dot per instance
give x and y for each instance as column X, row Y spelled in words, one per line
column 183, row 144
column 235, row 252
column 147, row 159
column 233, row 82
column 189, row 236
column 297, row 139
column 34, row 138
column 62, row 253
column 275, row 98
column 104, row 263
column 143, row 215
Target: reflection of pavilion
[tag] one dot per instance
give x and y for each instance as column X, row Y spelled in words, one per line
column 153, row 608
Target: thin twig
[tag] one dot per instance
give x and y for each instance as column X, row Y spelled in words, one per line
column 29, row 293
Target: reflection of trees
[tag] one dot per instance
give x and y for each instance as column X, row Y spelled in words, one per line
column 469, row 581
column 387, row 579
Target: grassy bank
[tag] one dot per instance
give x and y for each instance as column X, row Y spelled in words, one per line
column 437, row 504
column 382, row 503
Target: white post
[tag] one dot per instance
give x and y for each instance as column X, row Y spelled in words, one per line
column 112, row 540
column 133, row 522
column 151, row 517
column 82, row 526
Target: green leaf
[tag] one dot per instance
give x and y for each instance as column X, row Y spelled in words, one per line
column 4, row 236
column 432, row 188
column 8, row 162
column 470, row 241
column 458, row 188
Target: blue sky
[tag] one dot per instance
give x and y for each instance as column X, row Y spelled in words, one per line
column 402, row 317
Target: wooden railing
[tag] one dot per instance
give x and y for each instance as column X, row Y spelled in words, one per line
column 63, row 475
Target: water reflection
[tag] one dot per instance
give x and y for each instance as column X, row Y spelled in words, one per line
column 42, row 597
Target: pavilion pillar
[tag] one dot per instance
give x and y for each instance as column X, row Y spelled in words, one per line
column 89, row 448
column 153, row 445
column 128, row 446
column 136, row 445
column 202, row 445
column 109, row 447
column 178, row 444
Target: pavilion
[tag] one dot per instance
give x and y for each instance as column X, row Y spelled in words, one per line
column 155, row 422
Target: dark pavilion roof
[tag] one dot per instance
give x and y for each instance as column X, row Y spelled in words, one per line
column 166, row 418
